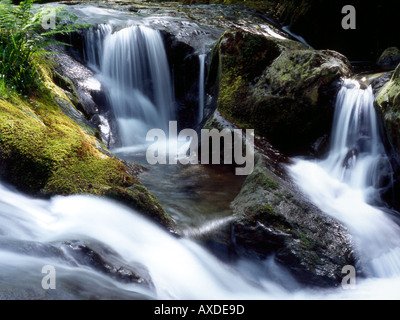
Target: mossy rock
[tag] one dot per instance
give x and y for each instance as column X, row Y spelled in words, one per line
column 45, row 152
column 390, row 58
column 273, row 219
column 280, row 88
column 388, row 102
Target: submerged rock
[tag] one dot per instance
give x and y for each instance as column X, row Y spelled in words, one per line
column 280, row 88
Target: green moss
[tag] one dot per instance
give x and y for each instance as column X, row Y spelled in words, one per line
column 43, row 151
column 139, row 198
column 388, row 100
column 306, row 241
column 261, row 179
column 265, row 214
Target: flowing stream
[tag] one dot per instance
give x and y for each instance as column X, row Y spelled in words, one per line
column 202, row 58
column 131, row 64
column 134, row 71
column 348, row 183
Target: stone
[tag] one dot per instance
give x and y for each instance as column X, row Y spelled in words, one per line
column 390, row 58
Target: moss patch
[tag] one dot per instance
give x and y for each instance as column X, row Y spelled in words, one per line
column 43, row 151
column 276, row 87
column 388, row 101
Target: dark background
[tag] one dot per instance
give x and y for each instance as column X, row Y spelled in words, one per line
column 320, row 23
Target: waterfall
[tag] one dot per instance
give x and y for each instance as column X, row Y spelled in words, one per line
column 34, row 233
column 93, row 44
column 357, row 155
column 351, row 178
column 135, row 74
column 201, row 87
column 37, row 233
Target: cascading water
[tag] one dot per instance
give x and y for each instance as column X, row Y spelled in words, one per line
column 135, row 75
column 34, row 233
column 357, row 155
column 202, row 58
column 352, row 177
column 94, row 44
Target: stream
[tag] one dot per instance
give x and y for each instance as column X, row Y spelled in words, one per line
column 131, row 257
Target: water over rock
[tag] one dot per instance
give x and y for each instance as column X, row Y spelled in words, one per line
column 273, row 218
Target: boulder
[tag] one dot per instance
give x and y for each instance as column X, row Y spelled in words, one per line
column 280, row 88
column 388, row 102
column 273, row 219
column 390, row 58
column 47, row 148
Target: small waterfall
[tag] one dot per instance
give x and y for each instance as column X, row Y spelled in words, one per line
column 357, row 155
column 201, row 87
column 135, row 75
column 352, row 177
column 93, row 44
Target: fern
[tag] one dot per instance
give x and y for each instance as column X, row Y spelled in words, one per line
column 23, row 41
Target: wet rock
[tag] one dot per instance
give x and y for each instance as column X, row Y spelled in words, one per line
column 388, row 101
column 272, row 218
column 106, row 261
column 388, row 104
column 280, row 88
column 390, row 58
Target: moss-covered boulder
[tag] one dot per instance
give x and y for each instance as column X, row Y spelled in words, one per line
column 390, row 58
column 273, row 219
column 280, row 88
column 388, row 102
column 43, row 151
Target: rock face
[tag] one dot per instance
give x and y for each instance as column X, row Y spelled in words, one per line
column 390, row 58
column 280, row 88
column 273, row 219
column 388, row 100
column 47, row 148
column 388, row 104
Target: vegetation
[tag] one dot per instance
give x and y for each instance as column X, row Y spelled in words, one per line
column 24, row 35
column 43, row 151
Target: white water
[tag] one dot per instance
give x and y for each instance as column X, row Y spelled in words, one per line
column 134, row 71
column 201, row 87
column 350, row 178
column 32, row 233
column 179, row 268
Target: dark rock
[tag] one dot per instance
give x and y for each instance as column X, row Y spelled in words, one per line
column 378, row 82
column 388, row 105
column 280, row 88
column 108, row 262
column 272, row 217
column 388, row 101
column 390, row 58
